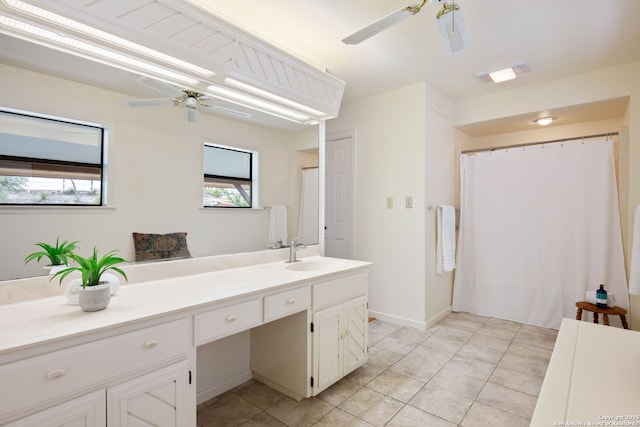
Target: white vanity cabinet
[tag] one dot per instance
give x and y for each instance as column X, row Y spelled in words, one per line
column 54, row 380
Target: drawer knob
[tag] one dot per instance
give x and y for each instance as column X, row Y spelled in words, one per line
column 56, row 373
column 291, row 301
column 231, row 318
column 151, row 344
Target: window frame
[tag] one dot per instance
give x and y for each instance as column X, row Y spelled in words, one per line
column 61, row 165
column 252, row 180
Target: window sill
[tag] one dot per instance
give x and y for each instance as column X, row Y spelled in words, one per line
column 232, row 210
column 44, row 209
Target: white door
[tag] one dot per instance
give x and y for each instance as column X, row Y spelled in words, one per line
column 339, row 198
column 157, row 399
column 85, row 411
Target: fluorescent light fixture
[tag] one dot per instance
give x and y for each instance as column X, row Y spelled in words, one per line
column 110, row 38
column 543, row 121
column 503, row 73
column 452, row 28
column 109, row 57
column 258, row 104
column 273, row 97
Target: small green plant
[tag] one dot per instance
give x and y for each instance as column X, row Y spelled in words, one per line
column 92, row 267
column 57, row 254
column 43, row 195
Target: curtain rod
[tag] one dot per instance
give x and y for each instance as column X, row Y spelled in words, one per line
column 477, row 150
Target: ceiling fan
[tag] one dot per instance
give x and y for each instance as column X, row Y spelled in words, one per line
column 191, row 100
column 449, row 18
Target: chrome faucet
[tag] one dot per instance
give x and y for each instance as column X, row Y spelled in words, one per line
column 293, row 249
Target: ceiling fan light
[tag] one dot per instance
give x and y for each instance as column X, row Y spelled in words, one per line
column 191, row 114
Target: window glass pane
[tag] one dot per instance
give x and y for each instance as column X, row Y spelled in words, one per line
column 49, row 161
column 40, row 138
column 226, row 162
column 221, row 193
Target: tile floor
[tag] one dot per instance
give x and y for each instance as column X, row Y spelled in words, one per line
column 465, row 371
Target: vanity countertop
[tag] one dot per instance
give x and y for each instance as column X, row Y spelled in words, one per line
column 39, row 321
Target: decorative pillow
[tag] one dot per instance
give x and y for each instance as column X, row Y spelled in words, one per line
column 160, row 246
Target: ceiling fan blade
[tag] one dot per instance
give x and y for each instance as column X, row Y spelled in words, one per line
column 381, row 25
column 163, row 87
column 148, row 102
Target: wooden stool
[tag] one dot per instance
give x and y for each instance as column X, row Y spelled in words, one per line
column 615, row 311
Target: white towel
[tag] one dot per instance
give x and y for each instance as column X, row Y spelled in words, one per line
column 278, row 226
column 634, row 268
column 445, row 239
column 591, row 297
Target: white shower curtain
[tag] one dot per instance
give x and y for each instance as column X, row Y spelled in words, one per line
column 539, row 227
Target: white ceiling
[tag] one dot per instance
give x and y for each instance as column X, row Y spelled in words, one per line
column 556, row 38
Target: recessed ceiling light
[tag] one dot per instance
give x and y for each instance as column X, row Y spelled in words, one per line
column 503, row 73
column 543, row 121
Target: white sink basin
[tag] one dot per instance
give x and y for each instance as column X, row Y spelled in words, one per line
column 310, row 265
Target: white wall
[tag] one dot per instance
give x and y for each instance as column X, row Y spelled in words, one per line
column 389, row 162
column 155, row 176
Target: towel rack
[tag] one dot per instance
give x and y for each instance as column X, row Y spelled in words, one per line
column 431, row 207
column 269, row 207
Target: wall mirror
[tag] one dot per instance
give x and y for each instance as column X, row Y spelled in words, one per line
column 154, row 162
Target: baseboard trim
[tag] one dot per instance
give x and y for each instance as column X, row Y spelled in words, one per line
column 227, row 385
column 386, row 317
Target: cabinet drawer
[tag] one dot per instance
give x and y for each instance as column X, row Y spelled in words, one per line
column 218, row 323
column 285, row 303
column 41, row 378
column 336, row 291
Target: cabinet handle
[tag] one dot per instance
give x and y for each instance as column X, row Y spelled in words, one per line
column 151, row 344
column 56, row 373
column 231, row 318
column 291, row 301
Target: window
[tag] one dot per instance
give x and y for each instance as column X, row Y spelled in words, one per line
column 50, row 161
column 229, row 177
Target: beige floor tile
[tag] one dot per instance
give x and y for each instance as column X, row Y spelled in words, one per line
column 421, row 366
column 383, row 328
column 498, row 332
column 258, row 394
column 263, row 420
column 472, row 367
column 480, row 352
column 486, row 416
column 338, row 417
column 517, row 380
column 227, row 409
column 456, row 382
column 397, row 386
column 383, row 358
column 454, row 334
column 371, row 406
column 375, row 338
column 303, row 413
column 442, row 403
column 365, row 373
column 508, row 400
column 414, row 417
column 461, row 315
column 524, row 364
column 442, row 344
column 395, row 345
column 465, row 325
column 339, row 392
column 412, row 336
column 503, row 323
column 493, row 343
column 530, row 351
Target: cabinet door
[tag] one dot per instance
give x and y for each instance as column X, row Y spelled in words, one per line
column 158, row 399
column 328, row 347
column 356, row 337
column 85, row 411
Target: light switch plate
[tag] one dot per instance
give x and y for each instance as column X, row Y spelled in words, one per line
column 408, row 202
column 389, row 202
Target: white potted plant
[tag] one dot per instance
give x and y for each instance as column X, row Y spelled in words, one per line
column 96, row 292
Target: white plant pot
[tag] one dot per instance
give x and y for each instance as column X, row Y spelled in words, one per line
column 94, row 298
column 53, row 269
column 113, row 280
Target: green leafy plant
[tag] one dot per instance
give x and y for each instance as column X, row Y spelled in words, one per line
column 92, row 267
column 57, row 254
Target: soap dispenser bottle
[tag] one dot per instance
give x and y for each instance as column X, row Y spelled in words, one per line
column 601, row 297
